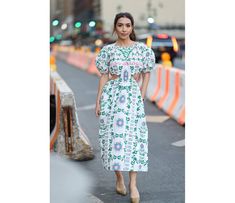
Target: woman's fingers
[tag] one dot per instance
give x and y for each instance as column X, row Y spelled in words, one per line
column 137, row 76
column 97, row 111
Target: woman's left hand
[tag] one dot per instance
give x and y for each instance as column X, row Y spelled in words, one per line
column 137, row 77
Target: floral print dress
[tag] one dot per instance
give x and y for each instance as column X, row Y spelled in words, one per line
column 123, row 131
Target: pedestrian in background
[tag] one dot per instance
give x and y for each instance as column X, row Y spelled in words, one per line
column 123, row 131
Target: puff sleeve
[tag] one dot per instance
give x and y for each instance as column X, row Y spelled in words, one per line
column 102, row 61
column 148, row 60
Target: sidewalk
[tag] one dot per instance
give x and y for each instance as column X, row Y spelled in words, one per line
column 69, row 182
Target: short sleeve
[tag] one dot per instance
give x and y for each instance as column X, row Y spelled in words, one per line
column 102, row 61
column 148, row 60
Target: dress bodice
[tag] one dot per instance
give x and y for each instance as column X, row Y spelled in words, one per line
column 136, row 58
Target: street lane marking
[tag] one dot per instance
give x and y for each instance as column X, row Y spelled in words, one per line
column 157, row 119
column 87, row 107
column 180, row 143
column 93, row 199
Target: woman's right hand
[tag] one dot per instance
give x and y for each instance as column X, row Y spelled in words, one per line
column 97, row 109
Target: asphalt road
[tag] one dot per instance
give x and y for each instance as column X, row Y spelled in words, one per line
column 165, row 180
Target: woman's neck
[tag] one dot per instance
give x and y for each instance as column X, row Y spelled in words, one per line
column 124, row 42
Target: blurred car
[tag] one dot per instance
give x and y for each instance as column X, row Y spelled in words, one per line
column 160, row 44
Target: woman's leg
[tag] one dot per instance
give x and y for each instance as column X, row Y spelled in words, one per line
column 132, row 184
column 120, row 185
column 119, row 177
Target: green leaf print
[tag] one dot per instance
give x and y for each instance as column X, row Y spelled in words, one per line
column 132, row 136
column 135, row 152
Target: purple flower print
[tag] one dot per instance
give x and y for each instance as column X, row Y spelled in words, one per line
column 118, row 146
column 116, row 166
column 120, row 122
column 125, row 77
column 122, row 99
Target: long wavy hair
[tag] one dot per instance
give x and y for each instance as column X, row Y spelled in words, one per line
column 129, row 16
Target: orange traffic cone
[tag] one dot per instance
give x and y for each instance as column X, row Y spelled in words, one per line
column 53, row 63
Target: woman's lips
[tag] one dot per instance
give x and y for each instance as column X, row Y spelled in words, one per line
column 124, row 34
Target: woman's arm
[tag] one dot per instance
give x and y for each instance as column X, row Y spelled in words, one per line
column 103, row 79
column 145, row 81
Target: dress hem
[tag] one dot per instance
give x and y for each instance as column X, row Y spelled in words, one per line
column 126, row 170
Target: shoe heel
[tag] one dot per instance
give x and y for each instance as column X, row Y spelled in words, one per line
column 135, row 200
column 121, row 192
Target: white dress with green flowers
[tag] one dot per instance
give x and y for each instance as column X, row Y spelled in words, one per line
column 123, row 131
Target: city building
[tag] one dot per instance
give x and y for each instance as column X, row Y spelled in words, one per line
column 61, row 10
column 165, row 15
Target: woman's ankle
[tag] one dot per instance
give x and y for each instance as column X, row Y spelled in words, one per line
column 120, row 179
column 132, row 184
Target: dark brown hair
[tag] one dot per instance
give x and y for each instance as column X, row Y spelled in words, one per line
column 129, row 16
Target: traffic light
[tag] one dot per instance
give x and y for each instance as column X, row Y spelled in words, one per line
column 55, row 22
column 64, row 26
column 77, row 24
column 92, row 23
column 52, row 39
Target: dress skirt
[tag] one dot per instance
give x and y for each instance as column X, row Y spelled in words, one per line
column 123, row 131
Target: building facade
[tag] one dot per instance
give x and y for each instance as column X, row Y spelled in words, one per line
column 166, row 13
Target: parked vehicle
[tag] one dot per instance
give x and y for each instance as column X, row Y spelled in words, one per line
column 161, row 43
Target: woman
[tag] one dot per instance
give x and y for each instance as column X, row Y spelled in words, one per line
column 123, row 133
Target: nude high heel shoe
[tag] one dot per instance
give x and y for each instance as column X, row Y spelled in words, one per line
column 121, row 191
column 135, row 199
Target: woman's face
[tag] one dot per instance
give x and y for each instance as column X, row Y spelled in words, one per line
column 123, row 28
